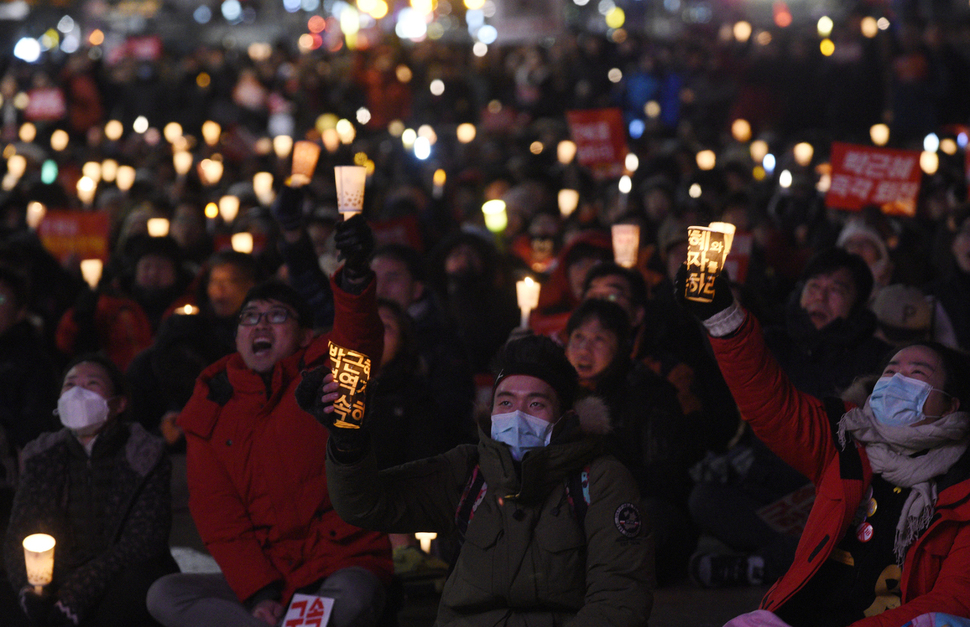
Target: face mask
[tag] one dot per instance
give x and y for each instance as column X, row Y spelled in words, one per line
column 82, row 411
column 898, row 400
column 521, row 432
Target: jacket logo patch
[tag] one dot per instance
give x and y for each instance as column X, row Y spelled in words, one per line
column 627, row 519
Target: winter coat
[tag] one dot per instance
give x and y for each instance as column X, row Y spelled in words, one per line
column 526, row 559
column 256, row 475
column 126, row 520
column 824, row 362
column 797, row 427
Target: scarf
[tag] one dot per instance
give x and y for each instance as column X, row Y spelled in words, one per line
column 910, row 457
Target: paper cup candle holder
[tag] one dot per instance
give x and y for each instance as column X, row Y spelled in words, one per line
column 351, row 371
column 626, row 244
column 39, row 559
column 706, row 250
column 351, row 180
column 305, row 155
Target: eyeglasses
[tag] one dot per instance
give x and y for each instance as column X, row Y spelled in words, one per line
column 276, row 315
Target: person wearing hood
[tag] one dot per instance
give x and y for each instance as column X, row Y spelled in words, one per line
column 886, row 539
column 553, row 530
column 649, row 433
column 828, row 337
column 100, row 486
column 859, row 238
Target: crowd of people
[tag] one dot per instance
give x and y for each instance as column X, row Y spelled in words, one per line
column 622, row 438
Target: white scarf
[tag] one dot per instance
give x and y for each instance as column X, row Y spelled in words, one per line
column 892, row 454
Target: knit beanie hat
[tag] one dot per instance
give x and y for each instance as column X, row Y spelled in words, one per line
column 540, row 357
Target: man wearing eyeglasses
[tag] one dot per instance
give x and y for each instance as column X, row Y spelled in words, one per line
column 256, row 466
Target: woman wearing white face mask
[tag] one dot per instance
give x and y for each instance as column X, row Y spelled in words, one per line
column 100, row 487
column 888, row 537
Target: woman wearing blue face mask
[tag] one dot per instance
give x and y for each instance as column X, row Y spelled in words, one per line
column 888, row 536
column 100, row 487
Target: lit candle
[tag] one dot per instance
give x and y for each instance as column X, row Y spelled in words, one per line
column 439, row 178
column 228, row 208
column 305, row 155
column 182, row 161
column 728, row 229
column 626, row 244
column 425, row 538
column 351, row 180
column 158, row 227
column 211, row 131
column 242, row 242
column 35, row 214
column 705, row 260
column 125, row 177
column 568, row 201
column 527, row 293
column 39, row 559
column 496, row 217
column 91, row 271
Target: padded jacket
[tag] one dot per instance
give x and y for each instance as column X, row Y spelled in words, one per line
column 256, row 473
column 797, row 427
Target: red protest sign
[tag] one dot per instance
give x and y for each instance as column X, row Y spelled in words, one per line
column 75, row 234
column 863, row 175
column 600, row 140
column 45, row 104
column 307, row 610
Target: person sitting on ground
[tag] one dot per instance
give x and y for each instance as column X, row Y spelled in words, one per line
column 100, row 487
column 257, row 482
column 202, row 330
column 648, row 431
column 885, row 540
column 553, row 530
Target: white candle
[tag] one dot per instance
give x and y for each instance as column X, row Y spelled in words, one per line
column 39, row 559
column 527, row 293
column 305, row 155
column 351, row 180
column 626, row 244
column 425, row 538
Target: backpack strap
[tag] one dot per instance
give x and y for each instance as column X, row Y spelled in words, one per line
column 577, row 493
column 471, row 498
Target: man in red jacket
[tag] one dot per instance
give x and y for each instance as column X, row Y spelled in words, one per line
column 256, row 471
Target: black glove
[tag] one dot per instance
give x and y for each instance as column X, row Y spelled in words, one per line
column 37, row 607
column 723, row 297
column 287, row 209
column 350, row 443
column 355, row 241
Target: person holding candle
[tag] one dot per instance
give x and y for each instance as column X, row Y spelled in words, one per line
column 886, row 540
column 101, row 487
column 553, row 530
column 256, row 477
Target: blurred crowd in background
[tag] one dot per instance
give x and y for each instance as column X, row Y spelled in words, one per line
column 441, row 131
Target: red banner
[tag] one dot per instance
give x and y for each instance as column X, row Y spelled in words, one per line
column 45, row 104
column 600, row 138
column 75, row 234
column 863, row 175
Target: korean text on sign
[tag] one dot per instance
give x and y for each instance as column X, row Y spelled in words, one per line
column 705, row 259
column 307, row 610
column 863, row 175
column 351, row 371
